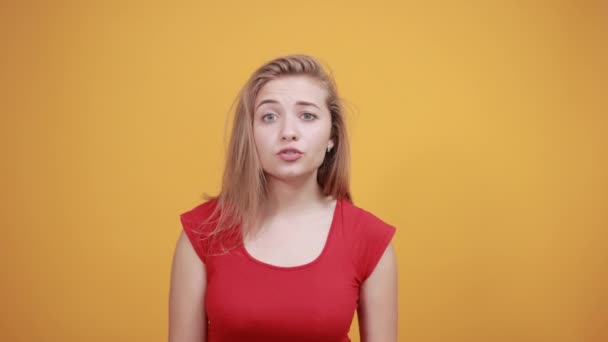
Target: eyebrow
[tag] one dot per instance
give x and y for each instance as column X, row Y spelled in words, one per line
column 302, row 103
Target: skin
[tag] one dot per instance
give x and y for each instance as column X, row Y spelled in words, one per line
column 286, row 122
column 291, row 112
column 295, row 211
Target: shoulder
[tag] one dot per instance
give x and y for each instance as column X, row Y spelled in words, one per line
column 364, row 220
column 199, row 213
column 369, row 237
column 198, row 225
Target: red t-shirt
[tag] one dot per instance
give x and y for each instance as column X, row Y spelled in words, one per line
column 249, row 300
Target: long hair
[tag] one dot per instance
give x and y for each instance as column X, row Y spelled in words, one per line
column 243, row 183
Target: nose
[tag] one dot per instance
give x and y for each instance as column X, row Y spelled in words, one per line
column 289, row 137
column 289, row 131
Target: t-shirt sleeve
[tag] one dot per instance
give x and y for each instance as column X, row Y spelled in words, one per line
column 193, row 223
column 193, row 234
column 375, row 238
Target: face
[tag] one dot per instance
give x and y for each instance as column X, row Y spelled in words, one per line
column 290, row 113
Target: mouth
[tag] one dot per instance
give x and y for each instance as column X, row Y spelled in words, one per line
column 289, row 154
column 289, row 151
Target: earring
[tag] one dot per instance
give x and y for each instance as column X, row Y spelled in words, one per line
column 328, row 149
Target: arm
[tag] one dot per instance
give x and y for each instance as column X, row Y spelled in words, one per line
column 378, row 306
column 187, row 317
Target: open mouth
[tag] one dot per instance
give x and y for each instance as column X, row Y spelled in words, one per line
column 290, row 155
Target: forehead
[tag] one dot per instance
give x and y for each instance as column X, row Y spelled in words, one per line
column 293, row 88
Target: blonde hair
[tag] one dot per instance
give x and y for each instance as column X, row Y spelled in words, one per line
column 244, row 183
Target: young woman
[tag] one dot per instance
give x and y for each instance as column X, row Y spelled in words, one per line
column 282, row 253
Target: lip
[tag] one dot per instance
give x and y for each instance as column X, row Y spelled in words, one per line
column 290, row 149
column 290, row 157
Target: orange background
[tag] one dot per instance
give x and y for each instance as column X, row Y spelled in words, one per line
column 478, row 129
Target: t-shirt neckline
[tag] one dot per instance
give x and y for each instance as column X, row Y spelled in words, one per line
column 332, row 228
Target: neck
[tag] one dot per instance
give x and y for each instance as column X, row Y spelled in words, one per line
column 293, row 196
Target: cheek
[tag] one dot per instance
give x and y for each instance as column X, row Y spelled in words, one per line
column 262, row 139
column 257, row 134
column 321, row 137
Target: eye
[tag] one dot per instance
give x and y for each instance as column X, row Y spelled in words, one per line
column 309, row 116
column 268, row 117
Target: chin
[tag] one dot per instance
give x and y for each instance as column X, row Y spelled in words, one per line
column 290, row 174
